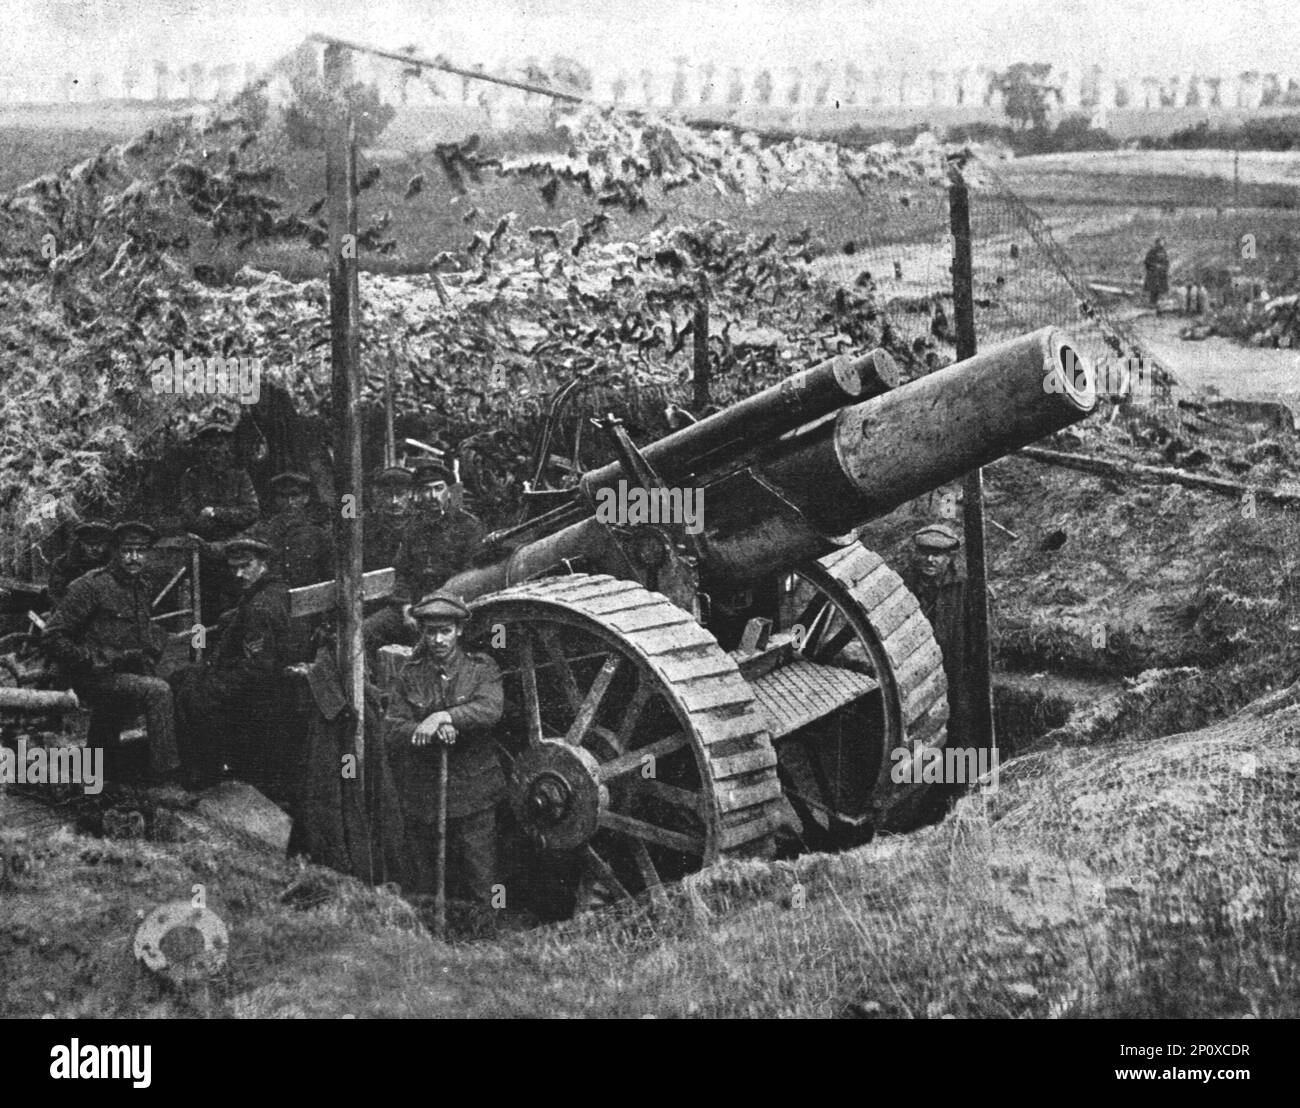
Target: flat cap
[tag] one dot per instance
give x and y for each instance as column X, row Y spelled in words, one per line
column 428, row 471
column 130, row 529
column 440, row 605
column 242, row 548
column 93, row 528
column 936, row 536
column 290, row 479
column 394, row 475
column 213, row 428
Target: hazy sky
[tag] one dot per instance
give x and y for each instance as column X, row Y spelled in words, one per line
column 1138, row 36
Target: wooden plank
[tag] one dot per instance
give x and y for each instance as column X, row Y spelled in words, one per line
column 909, row 638
column 733, row 799
column 888, row 617
column 311, row 600
column 168, row 588
column 650, row 833
column 39, row 700
column 733, row 765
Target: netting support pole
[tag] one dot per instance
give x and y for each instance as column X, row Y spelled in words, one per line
column 390, row 437
column 701, row 398
column 979, row 660
column 345, row 313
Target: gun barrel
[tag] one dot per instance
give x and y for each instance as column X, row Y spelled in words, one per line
column 798, row 496
column 798, row 399
column 903, row 444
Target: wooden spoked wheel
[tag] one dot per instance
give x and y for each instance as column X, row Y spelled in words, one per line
column 637, row 753
column 849, row 611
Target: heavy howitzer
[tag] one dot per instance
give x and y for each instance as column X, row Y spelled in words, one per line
column 668, row 678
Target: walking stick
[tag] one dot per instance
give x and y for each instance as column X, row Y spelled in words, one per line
column 440, row 858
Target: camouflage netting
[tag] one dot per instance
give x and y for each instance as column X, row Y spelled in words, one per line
column 118, row 260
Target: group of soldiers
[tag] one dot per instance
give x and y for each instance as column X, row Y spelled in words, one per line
column 232, row 713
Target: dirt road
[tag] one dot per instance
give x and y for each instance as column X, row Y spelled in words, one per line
column 1221, row 365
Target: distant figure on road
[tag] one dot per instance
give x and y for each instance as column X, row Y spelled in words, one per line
column 1156, row 264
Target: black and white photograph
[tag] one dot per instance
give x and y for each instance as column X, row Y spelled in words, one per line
column 676, row 510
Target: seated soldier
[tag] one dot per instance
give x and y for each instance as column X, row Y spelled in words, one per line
column 102, row 633
column 90, row 542
column 446, row 696
column 230, row 709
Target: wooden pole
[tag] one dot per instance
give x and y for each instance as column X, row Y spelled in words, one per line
column 196, row 605
column 341, row 188
column 700, row 394
column 980, row 726
column 440, row 858
column 390, row 438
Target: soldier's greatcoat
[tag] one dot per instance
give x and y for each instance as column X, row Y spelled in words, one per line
column 944, row 604
column 103, row 635
column 67, row 569
column 228, row 492
column 468, row 687
column 435, row 547
column 300, row 549
column 231, row 707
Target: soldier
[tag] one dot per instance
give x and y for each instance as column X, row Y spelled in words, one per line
column 216, row 496
column 442, row 539
column 103, row 635
column 90, row 543
column 217, row 501
column 387, row 519
column 941, row 591
column 229, row 708
column 301, row 553
column 1156, row 273
column 445, row 695
column 439, row 542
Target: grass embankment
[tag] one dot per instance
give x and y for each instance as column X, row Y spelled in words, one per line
column 1145, row 879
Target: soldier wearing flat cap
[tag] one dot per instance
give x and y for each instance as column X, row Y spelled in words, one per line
column 941, row 590
column 227, row 706
column 301, row 552
column 444, row 695
column 103, row 634
column 91, row 540
column 217, row 501
column 442, row 540
column 439, row 542
column 388, row 512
